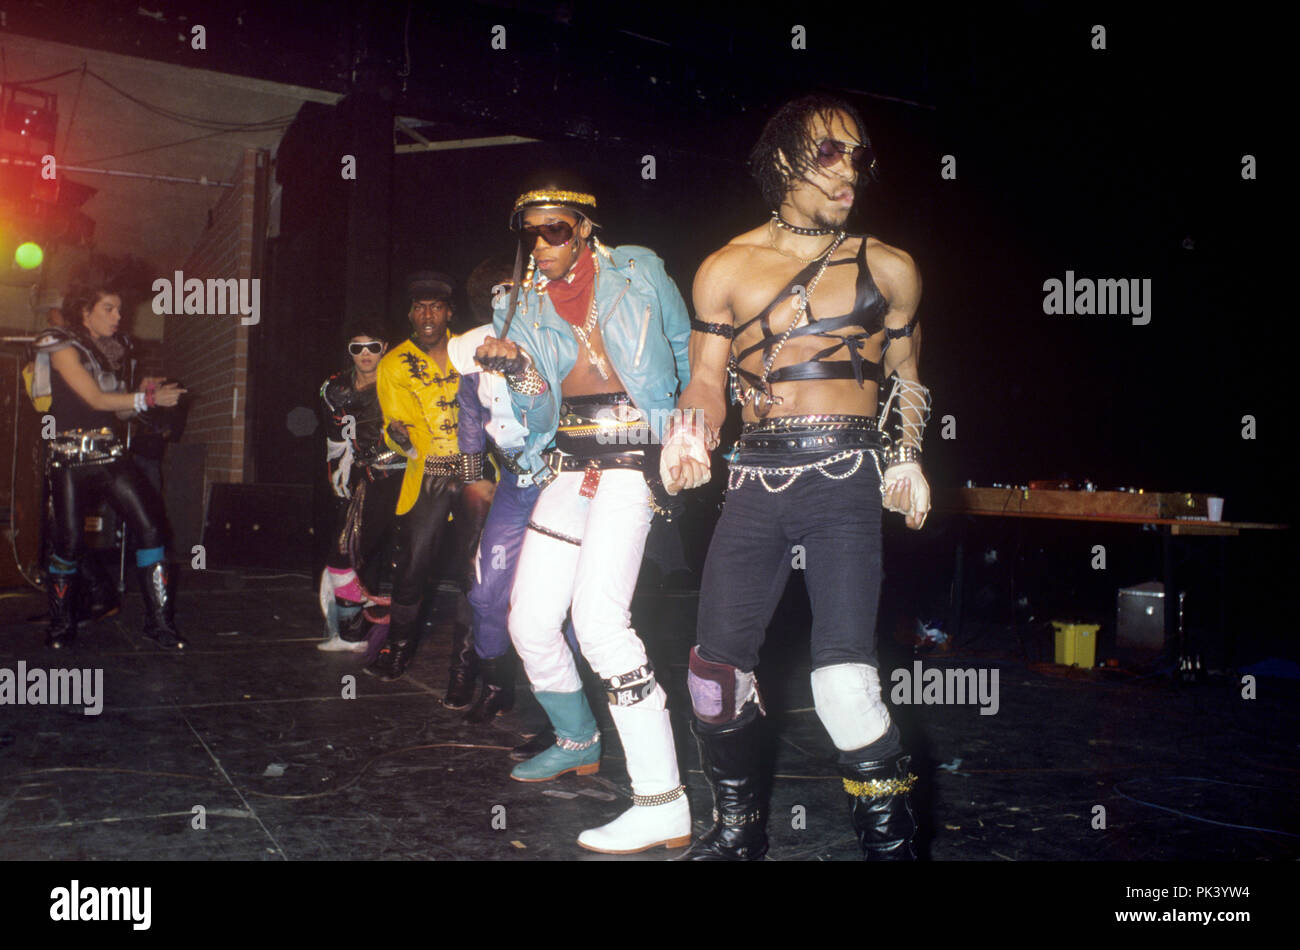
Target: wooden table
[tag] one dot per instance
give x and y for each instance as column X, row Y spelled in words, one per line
column 1106, row 507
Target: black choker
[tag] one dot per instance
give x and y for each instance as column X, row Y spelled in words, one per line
column 780, row 222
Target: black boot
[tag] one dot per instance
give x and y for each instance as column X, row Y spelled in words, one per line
column 403, row 635
column 729, row 757
column 534, row 746
column 882, row 806
column 159, row 624
column 61, row 593
column 464, row 668
column 98, row 596
column 498, row 695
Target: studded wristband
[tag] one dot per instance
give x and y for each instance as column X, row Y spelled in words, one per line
column 471, row 466
column 902, row 453
column 527, row 383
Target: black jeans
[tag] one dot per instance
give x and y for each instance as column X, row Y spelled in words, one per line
column 829, row 528
column 76, row 487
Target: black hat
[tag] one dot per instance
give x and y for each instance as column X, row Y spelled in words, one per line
column 428, row 285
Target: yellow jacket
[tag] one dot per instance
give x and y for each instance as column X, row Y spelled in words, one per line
column 416, row 391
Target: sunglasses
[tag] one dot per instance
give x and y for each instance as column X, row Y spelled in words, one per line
column 553, row 234
column 356, row 349
column 830, row 151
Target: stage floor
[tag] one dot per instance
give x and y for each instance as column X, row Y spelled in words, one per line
column 252, row 726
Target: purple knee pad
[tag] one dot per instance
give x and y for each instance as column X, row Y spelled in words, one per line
column 719, row 691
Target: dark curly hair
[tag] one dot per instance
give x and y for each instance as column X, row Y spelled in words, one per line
column 788, row 133
column 87, row 288
column 126, row 277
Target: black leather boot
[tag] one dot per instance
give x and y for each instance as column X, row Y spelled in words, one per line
column 159, row 606
column 396, row 653
column 464, row 668
column 498, row 694
column 729, row 757
column 98, row 596
column 881, row 806
column 61, row 593
column 534, row 746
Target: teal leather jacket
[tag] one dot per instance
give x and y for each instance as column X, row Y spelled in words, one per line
column 645, row 328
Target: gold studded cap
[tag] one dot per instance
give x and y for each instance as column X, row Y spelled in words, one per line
column 579, row 202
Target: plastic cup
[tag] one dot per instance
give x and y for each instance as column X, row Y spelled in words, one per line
column 1215, row 506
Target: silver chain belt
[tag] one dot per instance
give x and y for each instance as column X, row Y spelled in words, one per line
column 85, row 447
column 803, row 426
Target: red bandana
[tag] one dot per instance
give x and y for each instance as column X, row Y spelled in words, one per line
column 571, row 300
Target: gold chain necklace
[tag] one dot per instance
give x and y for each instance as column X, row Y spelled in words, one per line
column 583, row 333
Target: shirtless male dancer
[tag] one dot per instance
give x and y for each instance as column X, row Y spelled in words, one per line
column 804, row 323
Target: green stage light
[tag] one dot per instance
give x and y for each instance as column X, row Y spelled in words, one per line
column 29, row 255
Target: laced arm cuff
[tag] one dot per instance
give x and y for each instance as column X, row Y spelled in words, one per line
column 903, row 418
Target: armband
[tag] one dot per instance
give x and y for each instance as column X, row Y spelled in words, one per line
column 718, row 329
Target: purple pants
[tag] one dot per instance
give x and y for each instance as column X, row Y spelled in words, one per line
column 494, row 567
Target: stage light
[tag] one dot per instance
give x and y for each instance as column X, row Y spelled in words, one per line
column 29, row 255
column 35, row 118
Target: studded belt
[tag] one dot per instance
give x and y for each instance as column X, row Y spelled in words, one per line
column 590, row 425
column 559, row 462
column 442, row 465
column 829, row 422
column 803, row 439
column 85, row 447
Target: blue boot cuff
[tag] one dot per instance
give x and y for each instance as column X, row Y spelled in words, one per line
column 148, row 557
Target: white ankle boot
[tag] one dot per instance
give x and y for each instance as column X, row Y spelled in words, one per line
column 660, row 814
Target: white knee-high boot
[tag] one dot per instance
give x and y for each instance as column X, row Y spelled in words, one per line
column 660, row 813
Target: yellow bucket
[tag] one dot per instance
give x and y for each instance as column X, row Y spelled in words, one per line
column 1076, row 643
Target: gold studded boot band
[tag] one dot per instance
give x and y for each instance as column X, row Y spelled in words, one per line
column 663, row 798
column 880, row 788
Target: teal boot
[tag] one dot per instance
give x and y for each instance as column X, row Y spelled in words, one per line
column 577, row 740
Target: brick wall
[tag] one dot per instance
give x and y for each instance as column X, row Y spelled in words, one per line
column 209, row 353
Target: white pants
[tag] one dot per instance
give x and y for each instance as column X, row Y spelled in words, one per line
column 597, row 579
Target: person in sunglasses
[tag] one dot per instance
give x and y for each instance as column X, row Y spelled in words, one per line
column 367, row 474
column 805, row 322
column 487, row 422
column 593, row 344
column 417, row 386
